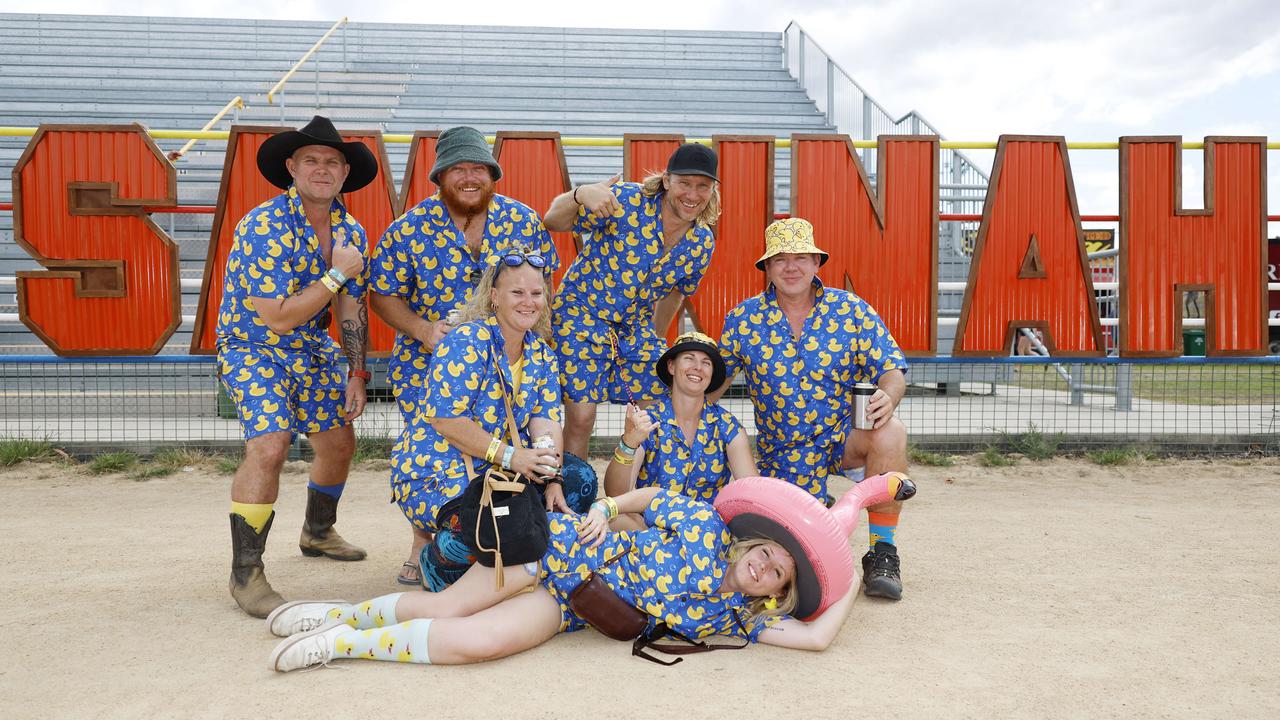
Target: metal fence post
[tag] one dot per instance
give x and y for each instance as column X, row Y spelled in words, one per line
column 316, row 60
column 800, row 62
column 1124, row 387
column 1076, row 383
column 786, row 49
column 831, row 92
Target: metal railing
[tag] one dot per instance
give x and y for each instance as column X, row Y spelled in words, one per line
column 847, row 106
column 278, row 89
column 237, row 102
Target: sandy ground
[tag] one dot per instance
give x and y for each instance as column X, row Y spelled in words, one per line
column 1056, row 589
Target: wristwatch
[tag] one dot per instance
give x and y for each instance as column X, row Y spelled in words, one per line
column 364, row 375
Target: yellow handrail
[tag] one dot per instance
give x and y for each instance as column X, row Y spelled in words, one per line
column 235, row 102
column 271, row 93
column 781, row 142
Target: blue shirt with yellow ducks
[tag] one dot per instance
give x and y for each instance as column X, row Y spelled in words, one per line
column 802, row 389
column 275, row 254
column 469, row 376
column 669, row 462
column 423, row 257
column 671, row 570
column 624, row 268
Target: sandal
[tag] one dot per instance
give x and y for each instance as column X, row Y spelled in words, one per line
column 410, row 575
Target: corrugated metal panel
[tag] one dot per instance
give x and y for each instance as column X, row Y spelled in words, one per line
column 746, row 208
column 1031, row 200
column 534, row 172
column 417, row 186
column 374, row 208
column 883, row 247
column 1166, row 249
column 243, row 188
column 78, row 197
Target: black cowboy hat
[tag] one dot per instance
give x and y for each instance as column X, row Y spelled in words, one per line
column 277, row 148
column 693, row 341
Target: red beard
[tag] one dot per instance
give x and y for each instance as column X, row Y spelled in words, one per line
column 457, row 206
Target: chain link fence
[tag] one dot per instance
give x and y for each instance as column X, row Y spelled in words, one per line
column 1182, row 405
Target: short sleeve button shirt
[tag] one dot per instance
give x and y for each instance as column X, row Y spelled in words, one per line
column 669, row 462
column 802, row 389
column 275, row 254
column 623, row 267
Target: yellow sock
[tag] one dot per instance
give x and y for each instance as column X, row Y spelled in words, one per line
column 255, row 515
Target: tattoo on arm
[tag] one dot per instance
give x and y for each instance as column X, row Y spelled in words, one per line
column 355, row 335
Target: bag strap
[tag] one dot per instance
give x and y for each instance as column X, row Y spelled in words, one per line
column 661, row 630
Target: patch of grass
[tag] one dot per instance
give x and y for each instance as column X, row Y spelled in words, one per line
column 13, row 452
column 372, row 449
column 168, row 462
column 1112, row 456
column 932, row 459
column 1033, row 444
column 1181, row 384
column 226, row 465
column 112, row 463
column 992, row 457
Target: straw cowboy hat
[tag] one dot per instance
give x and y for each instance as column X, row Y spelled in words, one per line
column 791, row 235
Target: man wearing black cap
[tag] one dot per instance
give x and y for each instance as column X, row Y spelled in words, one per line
column 431, row 258
column 293, row 258
column 645, row 248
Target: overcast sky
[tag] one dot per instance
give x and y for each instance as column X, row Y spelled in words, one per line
column 975, row 68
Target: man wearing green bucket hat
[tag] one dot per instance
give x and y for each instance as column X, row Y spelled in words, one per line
column 430, row 259
column 802, row 348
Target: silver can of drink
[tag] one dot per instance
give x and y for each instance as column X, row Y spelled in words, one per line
column 545, row 442
column 862, row 393
column 454, row 316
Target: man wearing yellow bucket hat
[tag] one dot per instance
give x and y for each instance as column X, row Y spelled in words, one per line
column 802, row 347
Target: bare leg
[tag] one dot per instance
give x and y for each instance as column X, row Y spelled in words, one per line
column 579, row 422
column 879, row 451
column 513, row 626
column 334, row 450
column 475, row 591
column 257, row 480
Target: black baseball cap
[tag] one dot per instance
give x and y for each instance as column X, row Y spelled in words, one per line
column 694, row 159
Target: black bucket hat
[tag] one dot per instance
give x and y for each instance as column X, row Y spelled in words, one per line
column 694, row 159
column 462, row 144
column 693, row 341
column 281, row 146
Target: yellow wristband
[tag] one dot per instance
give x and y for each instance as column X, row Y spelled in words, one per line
column 623, row 459
column 330, row 283
column 491, row 454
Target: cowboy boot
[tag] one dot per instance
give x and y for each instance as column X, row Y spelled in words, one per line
column 318, row 536
column 248, row 583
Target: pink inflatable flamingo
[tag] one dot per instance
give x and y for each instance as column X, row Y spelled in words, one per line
column 817, row 537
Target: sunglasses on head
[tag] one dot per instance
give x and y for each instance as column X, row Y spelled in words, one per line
column 518, row 259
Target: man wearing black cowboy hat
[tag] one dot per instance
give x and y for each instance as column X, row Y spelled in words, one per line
column 293, row 258
column 645, row 247
column 431, row 258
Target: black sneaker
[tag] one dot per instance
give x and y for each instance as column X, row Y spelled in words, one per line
column 881, row 575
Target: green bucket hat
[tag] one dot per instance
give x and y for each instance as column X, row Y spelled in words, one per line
column 462, row 144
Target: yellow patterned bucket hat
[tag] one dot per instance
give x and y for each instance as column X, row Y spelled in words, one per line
column 791, row 235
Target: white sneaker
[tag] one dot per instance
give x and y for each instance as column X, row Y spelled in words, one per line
column 300, row 616
column 314, row 647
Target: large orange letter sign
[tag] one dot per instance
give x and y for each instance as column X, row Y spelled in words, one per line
column 885, row 245
column 1029, row 266
column 1166, row 251
column 112, row 282
column 534, row 172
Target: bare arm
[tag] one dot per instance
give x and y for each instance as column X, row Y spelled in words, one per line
column 665, row 311
column 892, row 385
column 619, row 478
column 282, row 315
column 353, row 324
column 597, row 197
column 815, row 635
column 467, row 435
column 741, row 462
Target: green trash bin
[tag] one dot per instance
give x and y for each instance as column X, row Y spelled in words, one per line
column 1193, row 341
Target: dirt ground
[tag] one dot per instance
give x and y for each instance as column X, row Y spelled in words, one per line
column 1057, row 589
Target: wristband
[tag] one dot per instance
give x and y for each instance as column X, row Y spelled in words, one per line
column 623, row 459
column 364, row 375
column 612, row 506
column 575, row 196
column 507, row 455
column 337, row 275
column 332, row 285
column 626, row 449
column 599, row 505
column 491, row 454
